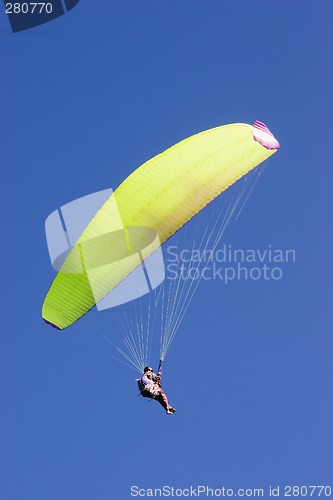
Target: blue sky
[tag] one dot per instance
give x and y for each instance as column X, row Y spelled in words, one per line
column 86, row 99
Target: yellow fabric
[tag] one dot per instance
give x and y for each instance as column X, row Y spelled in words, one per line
column 163, row 194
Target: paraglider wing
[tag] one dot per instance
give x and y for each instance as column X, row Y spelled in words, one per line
column 163, row 194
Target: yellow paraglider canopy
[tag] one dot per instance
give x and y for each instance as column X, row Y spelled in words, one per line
column 163, row 194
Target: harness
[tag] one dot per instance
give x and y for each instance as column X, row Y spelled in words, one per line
column 141, row 385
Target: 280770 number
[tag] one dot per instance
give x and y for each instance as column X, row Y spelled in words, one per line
column 28, row 8
column 304, row 491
